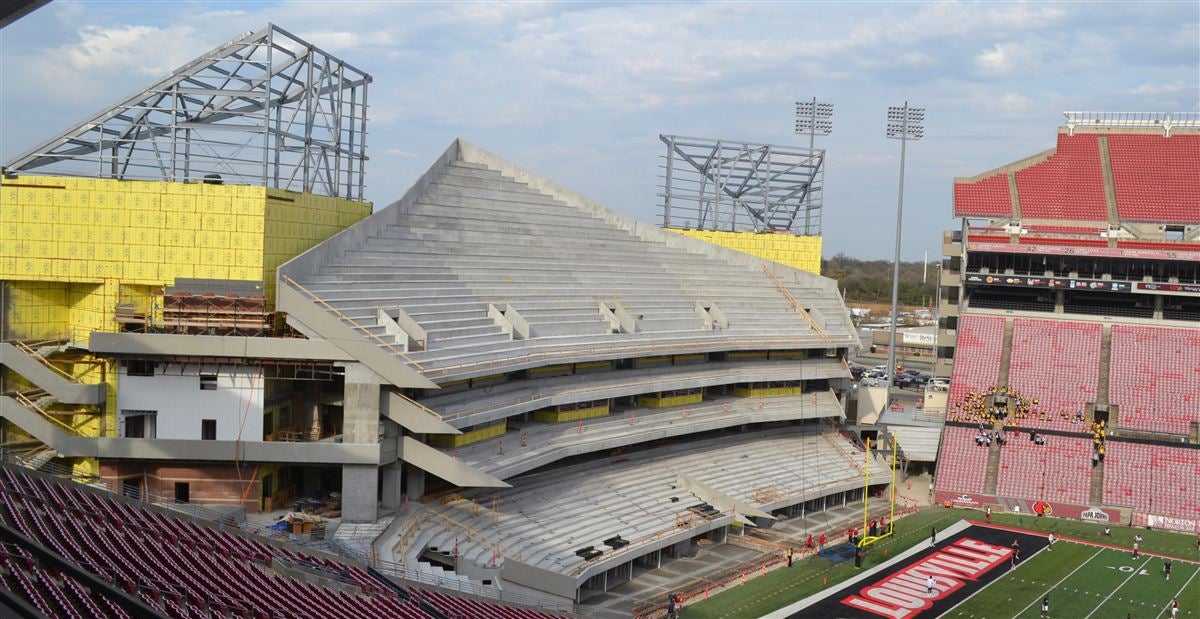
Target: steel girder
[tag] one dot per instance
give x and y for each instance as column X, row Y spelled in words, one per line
column 266, row 108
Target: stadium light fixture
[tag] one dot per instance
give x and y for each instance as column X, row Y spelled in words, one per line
column 904, row 123
column 812, row 118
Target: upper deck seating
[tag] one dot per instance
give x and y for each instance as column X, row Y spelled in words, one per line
column 1067, row 186
column 1155, row 177
column 563, row 273
column 987, row 197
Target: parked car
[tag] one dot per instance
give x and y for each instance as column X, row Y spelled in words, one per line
column 856, row 372
column 939, row 384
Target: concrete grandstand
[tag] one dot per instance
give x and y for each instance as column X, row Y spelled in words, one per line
column 568, row 329
column 1069, row 315
column 493, row 386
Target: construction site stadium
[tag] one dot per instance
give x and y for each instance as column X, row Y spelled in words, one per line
column 231, row 387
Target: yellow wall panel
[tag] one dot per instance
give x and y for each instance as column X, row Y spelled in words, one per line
column 799, row 252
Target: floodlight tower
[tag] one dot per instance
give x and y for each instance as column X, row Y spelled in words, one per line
column 813, row 118
column 904, row 123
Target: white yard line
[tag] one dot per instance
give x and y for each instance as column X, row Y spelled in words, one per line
column 1055, row 585
column 1168, row 606
column 1114, row 591
column 979, row 590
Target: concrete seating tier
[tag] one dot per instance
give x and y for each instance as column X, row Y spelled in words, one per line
column 547, row 516
column 1056, row 362
column 976, row 355
column 1067, row 186
column 988, row 196
column 1155, row 378
column 475, row 237
column 961, row 464
column 183, row 569
column 469, row 407
column 1153, row 479
column 1060, row 470
column 1155, row 177
column 533, row 445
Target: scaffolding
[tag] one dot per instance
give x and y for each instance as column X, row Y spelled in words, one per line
column 184, row 313
column 266, row 109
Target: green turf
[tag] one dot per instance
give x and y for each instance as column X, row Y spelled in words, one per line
column 1084, row 581
column 787, row 585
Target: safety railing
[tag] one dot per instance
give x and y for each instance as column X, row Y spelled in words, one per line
column 354, row 323
column 31, row 352
column 533, row 397
column 793, row 301
column 33, row 406
column 727, row 342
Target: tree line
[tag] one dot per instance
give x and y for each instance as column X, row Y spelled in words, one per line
column 870, row 281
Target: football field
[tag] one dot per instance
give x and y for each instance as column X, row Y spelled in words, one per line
column 1087, row 581
column 1092, row 576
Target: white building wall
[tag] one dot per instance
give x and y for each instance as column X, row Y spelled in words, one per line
column 174, row 392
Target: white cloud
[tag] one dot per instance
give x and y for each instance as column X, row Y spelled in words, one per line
column 1014, row 103
column 1158, row 89
column 1001, row 59
column 339, row 41
column 146, row 50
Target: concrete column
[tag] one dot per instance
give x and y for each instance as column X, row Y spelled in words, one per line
column 415, row 482
column 360, row 418
column 360, row 487
column 390, row 477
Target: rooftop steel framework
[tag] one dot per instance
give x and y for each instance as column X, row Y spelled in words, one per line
column 266, row 108
column 741, row 186
column 1164, row 121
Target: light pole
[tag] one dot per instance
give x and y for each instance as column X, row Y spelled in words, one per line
column 813, row 119
column 904, row 123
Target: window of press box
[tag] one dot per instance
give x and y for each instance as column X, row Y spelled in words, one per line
column 137, row 367
column 208, row 382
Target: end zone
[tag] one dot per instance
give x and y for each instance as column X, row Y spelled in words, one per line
column 966, row 559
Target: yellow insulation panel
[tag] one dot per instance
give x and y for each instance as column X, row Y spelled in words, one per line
column 798, row 252
column 655, row 401
column 466, row 438
column 766, row 392
column 555, row 416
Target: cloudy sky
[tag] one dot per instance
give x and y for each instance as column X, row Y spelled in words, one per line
column 581, row 91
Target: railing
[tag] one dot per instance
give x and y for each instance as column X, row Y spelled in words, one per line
column 466, row 588
column 626, row 350
column 316, row 299
column 29, row 351
column 793, row 301
column 654, row 382
column 33, row 406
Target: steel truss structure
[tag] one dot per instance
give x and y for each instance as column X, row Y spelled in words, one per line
column 741, row 186
column 266, row 108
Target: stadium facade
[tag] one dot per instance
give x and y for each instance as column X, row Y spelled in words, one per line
column 549, row 394
column 1070, row 298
